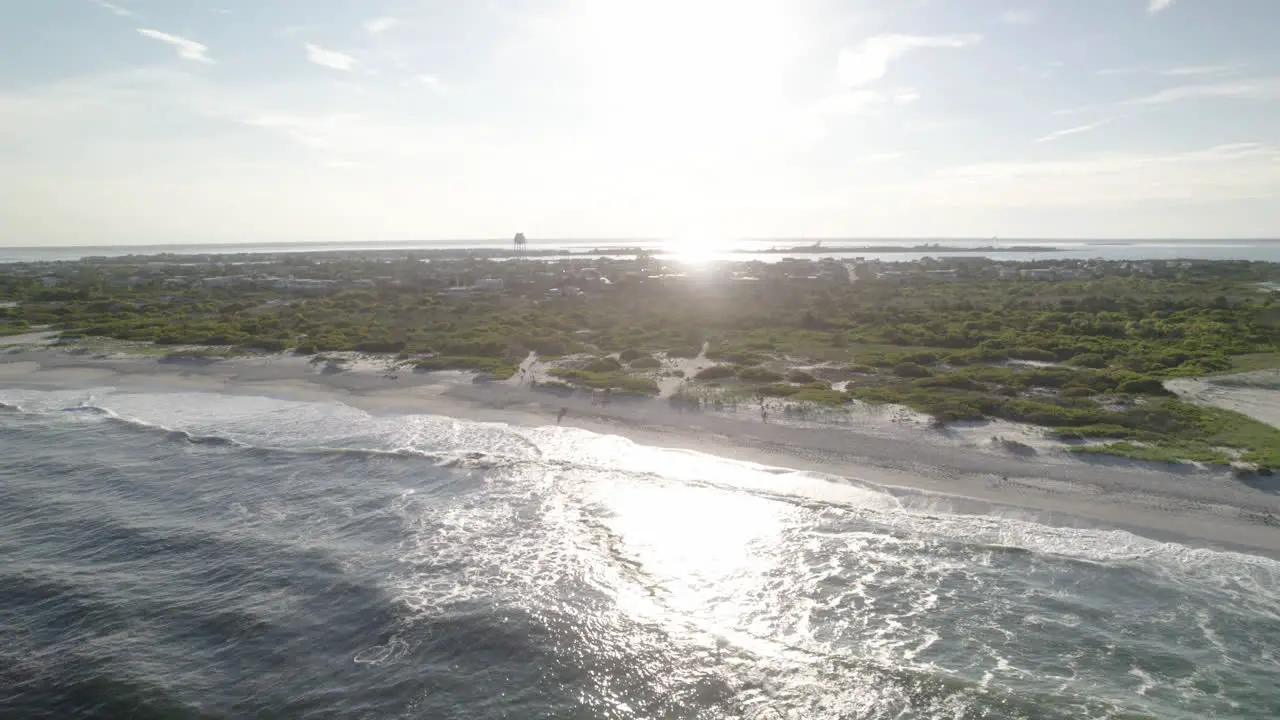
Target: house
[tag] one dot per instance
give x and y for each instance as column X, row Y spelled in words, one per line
column 50, row 281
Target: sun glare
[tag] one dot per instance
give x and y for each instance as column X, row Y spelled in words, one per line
column 671, row 74
column 699, row 250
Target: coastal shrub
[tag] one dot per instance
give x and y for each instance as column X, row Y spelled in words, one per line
column 821, row 396
column 474, row 348
column 716, row 372
column 1144, row 386
column 861, row 369
column 549, row 347
column 800, row 376
column 1077, row 391
column 380, row 346
column 491, row 366
column 630, row 354
column 920, row 358
column 1033, row 354
column 618, row 382
column 951, row 380
column 759, row 374
column 911, row 370
column 266, row 344
column 736, row 357
column 305, row 348
column 602, row 365
column 636, row 385
column 777, row 390
column 1093, row 432
column 684, row 351
column 647, row 362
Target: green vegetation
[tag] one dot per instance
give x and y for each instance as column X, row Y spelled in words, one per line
column 1255, row 361
column 646, row 362
column 1085, row 358
column 614, row 381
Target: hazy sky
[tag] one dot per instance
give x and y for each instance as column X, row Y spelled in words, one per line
column 153, row 121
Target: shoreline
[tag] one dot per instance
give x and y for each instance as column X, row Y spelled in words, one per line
column 925, row 470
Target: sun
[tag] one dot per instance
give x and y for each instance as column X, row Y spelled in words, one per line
column 675, row 72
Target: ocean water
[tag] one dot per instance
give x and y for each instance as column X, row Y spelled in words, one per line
column 219, row 556
column 1266, row 250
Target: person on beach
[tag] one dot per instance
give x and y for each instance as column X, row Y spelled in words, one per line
column 560, row 415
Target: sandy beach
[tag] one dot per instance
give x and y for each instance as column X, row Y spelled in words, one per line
column 957, row 470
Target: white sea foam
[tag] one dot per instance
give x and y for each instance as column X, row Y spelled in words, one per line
column 830, row 586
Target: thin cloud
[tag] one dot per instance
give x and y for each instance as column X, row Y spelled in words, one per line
column 1019, row 16
column 377, row 26
column 1192, row 70
column 113, row 8
column 1075, row 130
column 1219, row 173
column 1176, row 71
column 871, row 60
column 188, row 49
column 329, row 58
column 431, row 81
column 1253, row 89
column 1157, row 6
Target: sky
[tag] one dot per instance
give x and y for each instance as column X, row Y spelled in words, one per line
column 699, row 121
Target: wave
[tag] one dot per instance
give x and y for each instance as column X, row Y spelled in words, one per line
column 572, row 450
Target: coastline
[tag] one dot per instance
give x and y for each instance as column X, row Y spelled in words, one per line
column 928, row 471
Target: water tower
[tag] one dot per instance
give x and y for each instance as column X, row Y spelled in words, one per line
column 520, row 244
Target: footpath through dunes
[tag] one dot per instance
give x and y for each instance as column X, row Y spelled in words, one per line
column 332, row 562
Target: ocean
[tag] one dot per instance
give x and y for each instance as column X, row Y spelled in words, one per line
column 1267, row 250
column 191, row 555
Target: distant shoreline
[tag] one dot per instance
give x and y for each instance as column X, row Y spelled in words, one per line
column 556, row 247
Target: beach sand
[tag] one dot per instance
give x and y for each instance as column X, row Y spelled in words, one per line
column 956, row 470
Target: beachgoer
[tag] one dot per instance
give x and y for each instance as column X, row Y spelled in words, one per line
column 560, row 415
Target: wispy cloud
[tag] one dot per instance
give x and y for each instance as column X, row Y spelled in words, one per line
column 871, row 60
column 1018, row 16
column 329, row 58
column 1176, row 71
column 189, row 49
column 113, row 8
column 1075, row 130
column 883, row 156
column 1248, row 89
column 1192, row 70
column 1219, row 173
column 380, row 25
column 1156, row 6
